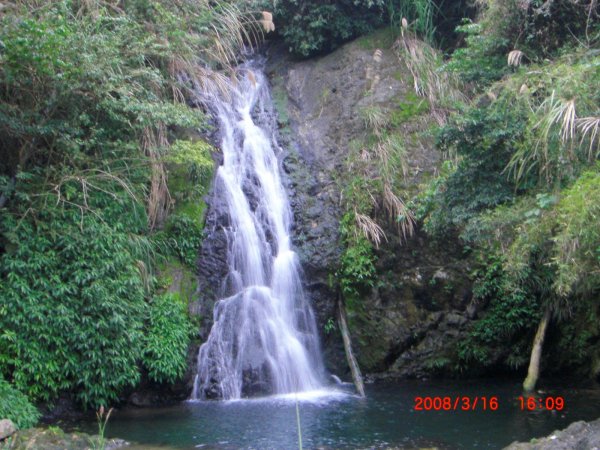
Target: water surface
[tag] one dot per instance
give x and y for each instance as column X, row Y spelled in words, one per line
column 386, row 418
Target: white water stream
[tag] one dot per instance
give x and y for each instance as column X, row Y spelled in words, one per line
column 264, row 338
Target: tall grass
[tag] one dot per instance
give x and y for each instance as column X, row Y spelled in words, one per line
column 102, row 419
column 418, row 14
column 441, row 88
column 558, row 141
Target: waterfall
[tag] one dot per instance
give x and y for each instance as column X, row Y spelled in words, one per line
column 264, row 338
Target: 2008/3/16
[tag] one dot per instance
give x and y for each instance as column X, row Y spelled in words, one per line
column 456, row 403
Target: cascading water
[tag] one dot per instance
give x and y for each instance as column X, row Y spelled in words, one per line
column 263, row 339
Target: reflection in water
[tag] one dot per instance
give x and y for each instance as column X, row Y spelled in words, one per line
column 343, row 421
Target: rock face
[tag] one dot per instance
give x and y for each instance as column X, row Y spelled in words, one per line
column 213, row 263
column 577, row 436
column 55, row 439
column 422, row 301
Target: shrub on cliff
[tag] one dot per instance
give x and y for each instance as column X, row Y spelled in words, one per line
column 310, row 27
column 167, row 340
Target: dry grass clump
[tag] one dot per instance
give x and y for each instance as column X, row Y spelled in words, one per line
column 515, row 58
column 441, row 88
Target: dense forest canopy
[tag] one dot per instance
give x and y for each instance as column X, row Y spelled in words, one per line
column 103, row 173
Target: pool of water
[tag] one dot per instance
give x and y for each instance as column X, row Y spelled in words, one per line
column 340, row 420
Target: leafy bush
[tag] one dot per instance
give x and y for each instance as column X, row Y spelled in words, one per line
column 73, row 305
column 483, row 60
column 518, row 138
column 15, row 406
column 92, row 95
column 184, row 235
column 562, row 124
column 310, row 27
column 167, row 339
column 357, row 269
column 565, row 238
column 519, row 184
column 545, row 26
column 577, row 240
column 538, row 28
column 483, row 138
column 195, row 157
column 511, row 315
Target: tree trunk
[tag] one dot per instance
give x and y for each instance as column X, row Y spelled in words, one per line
column 354, row 368
column 536, row 353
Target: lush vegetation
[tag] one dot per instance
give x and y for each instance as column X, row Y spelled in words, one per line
column 15, row 406
column 167, row 340
column 517, row 126
column 519, row 185
column 102, row 175
column 312, row 27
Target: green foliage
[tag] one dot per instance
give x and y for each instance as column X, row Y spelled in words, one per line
column 545, row 27
column 357, row 264
column 577, row 237
column 15, row 406
column 80, row 86
column 310, row 27
column 575, row 343
column 410, row 107
column 523, row 134
column 167, row 340
column 564, row 237
column 538, row 28
column 191, row 169
column 196, row 158
column 374, row 118
column 483, row 60
column 184, row 235
column 356, row 274
column 562, row 124
column 519, row 183
column 420, row 14
column 73, row 305
column 549, row 248
column 483, row 138
column 512, row 314
column 91, row 98
column 329, row 326
column 428, row 200
column 102, row 416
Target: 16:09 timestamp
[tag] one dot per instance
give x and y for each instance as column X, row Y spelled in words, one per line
column 541, row 403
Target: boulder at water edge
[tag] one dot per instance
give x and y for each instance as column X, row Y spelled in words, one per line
column 7, row 428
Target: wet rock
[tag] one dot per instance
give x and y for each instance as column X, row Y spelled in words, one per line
column 577, row 436
column 407, row 324
column 212, row 262
column 256, row 382
column 64, row 408
column 149, row 397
